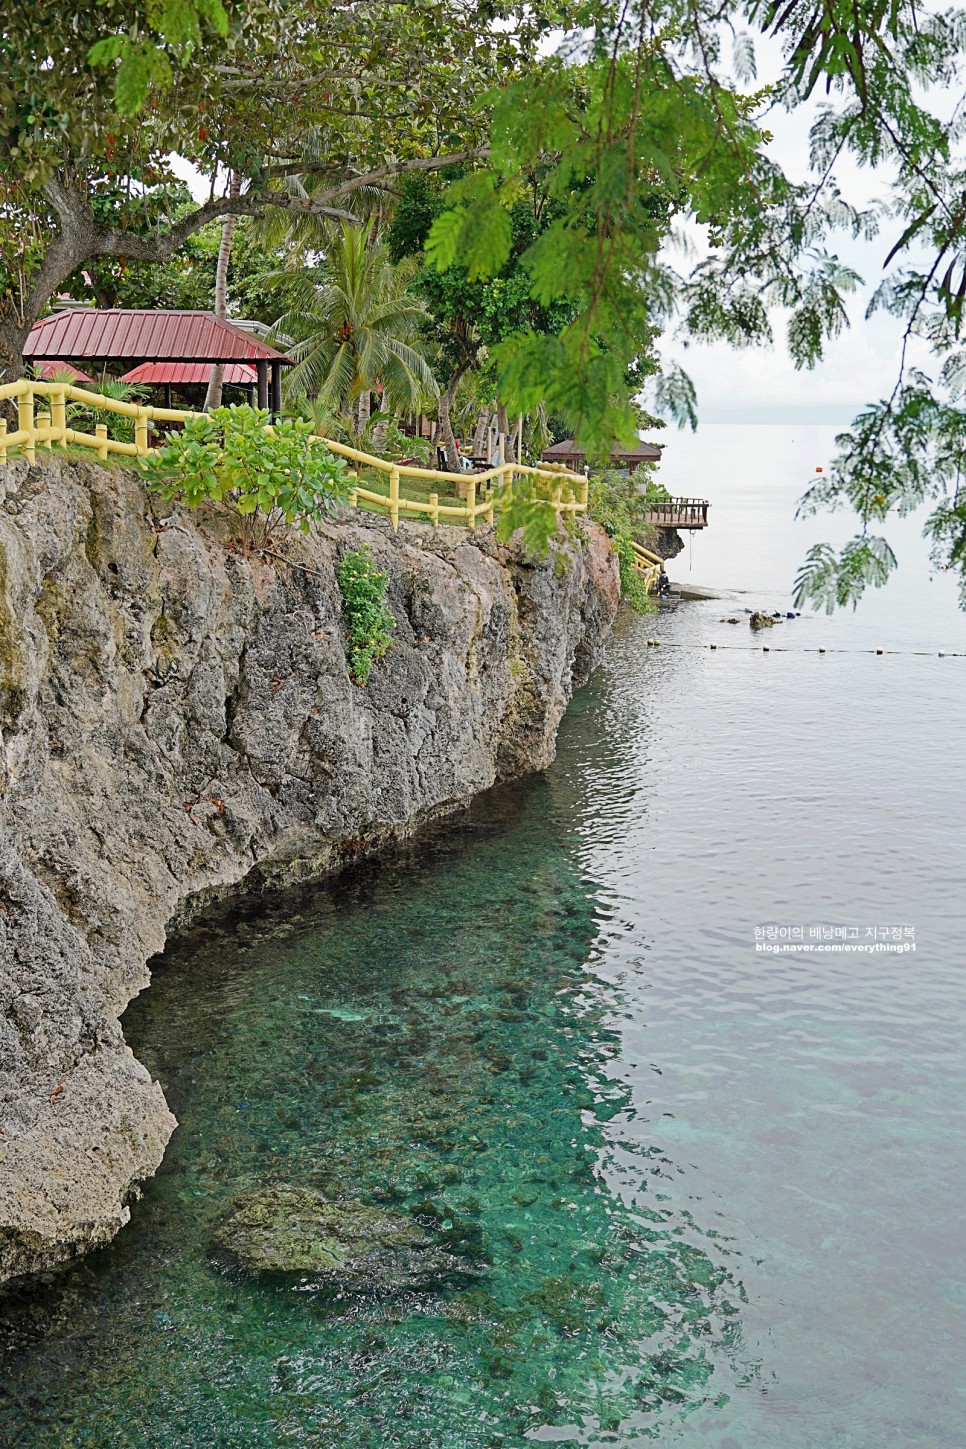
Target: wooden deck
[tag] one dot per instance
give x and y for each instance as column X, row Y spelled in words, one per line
column 679, row 513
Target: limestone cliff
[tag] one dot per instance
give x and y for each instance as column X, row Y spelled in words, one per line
column 176, row 718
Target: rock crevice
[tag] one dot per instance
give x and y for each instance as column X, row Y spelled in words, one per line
column 177, row 718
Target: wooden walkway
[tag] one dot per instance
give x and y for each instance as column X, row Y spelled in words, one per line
column 679, row 513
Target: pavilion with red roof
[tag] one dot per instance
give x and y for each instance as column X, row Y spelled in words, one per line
column 125, row 338
column 190, row 374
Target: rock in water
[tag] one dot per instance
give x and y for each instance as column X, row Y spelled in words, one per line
column 291, row 1229
column 759, row 620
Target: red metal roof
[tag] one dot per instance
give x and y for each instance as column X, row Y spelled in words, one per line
column 569, row 449
column 115, row 334
column 241, row 373
column 52, row 365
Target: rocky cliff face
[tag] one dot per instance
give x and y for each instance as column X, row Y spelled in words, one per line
column 177, row 719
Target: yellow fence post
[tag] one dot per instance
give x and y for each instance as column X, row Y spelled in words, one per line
column 58, row 414
column 354, row 499
column 3, row 441
column 584, row 492
column 43, row 421
column 100, row 433
column 394, row 496
column 25, row 424
column 434, row 509
column 471, row 502
column 141, row 432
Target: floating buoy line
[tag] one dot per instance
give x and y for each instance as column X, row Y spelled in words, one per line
column 807, row 649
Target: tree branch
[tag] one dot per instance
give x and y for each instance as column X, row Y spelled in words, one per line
column 398, row 168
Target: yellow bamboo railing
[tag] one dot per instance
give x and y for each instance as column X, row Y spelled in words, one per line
column 567, row 492
column 647, row 564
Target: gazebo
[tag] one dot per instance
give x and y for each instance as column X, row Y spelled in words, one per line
column 572, row 456
column 123, row 338
column 190, row 374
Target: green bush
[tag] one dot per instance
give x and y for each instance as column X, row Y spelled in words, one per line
column 618, row 501
column 633, row 589
column 369, row 623
column 270, row 473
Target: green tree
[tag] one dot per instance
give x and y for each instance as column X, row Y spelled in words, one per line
column 110, row 92
column 270, row 475
column 663, row 94
column 469, row 316
column 355, row 329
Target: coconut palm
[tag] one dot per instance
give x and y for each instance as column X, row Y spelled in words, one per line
column 355, row 327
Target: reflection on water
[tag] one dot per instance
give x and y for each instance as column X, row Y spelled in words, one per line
column 426, row 1030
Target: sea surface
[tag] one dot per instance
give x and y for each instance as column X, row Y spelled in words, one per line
column 715, row 1192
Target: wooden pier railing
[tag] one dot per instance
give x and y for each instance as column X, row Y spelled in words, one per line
column 42, row 422
column 679, row 513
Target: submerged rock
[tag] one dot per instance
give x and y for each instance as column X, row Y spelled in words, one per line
column 291, row 1229
column 759, row 620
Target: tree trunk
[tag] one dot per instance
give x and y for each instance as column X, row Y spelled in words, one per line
column 446, row 434
column 363, row 411
column 503, row 424
column 217, row 378
column 482, row 431
column 12, row 339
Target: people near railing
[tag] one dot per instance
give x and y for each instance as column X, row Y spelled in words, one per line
column 466, row 463
column 663, row 585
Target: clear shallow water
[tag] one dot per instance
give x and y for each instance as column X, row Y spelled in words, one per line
column 721, row 1191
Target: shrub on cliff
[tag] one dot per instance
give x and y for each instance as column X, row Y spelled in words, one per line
column 618, row 501
column 270, row 474
column 369, row 623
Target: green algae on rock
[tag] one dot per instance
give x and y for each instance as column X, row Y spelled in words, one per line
column 292, row 1229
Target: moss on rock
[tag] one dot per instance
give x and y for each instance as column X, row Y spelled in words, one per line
column 293, row 1229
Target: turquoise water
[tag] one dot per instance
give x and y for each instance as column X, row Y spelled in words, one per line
column 718, row 1193
column 427, row 1030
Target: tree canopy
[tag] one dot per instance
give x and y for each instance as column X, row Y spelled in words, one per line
column 634, row 119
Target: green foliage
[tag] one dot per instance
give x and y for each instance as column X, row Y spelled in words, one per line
column 368, row 620
column 618, row 501
column 524, row 507
column 354, row 324
column 144, row 55
column 187, row 281
column 269, row 474
column 605, row 125
column 471, row 313
column 633, row 589
column 829, row 580
column 300, row 99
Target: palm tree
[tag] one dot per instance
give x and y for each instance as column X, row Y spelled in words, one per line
column 355, row 327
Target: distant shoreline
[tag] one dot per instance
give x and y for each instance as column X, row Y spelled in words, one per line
column 803, row 418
